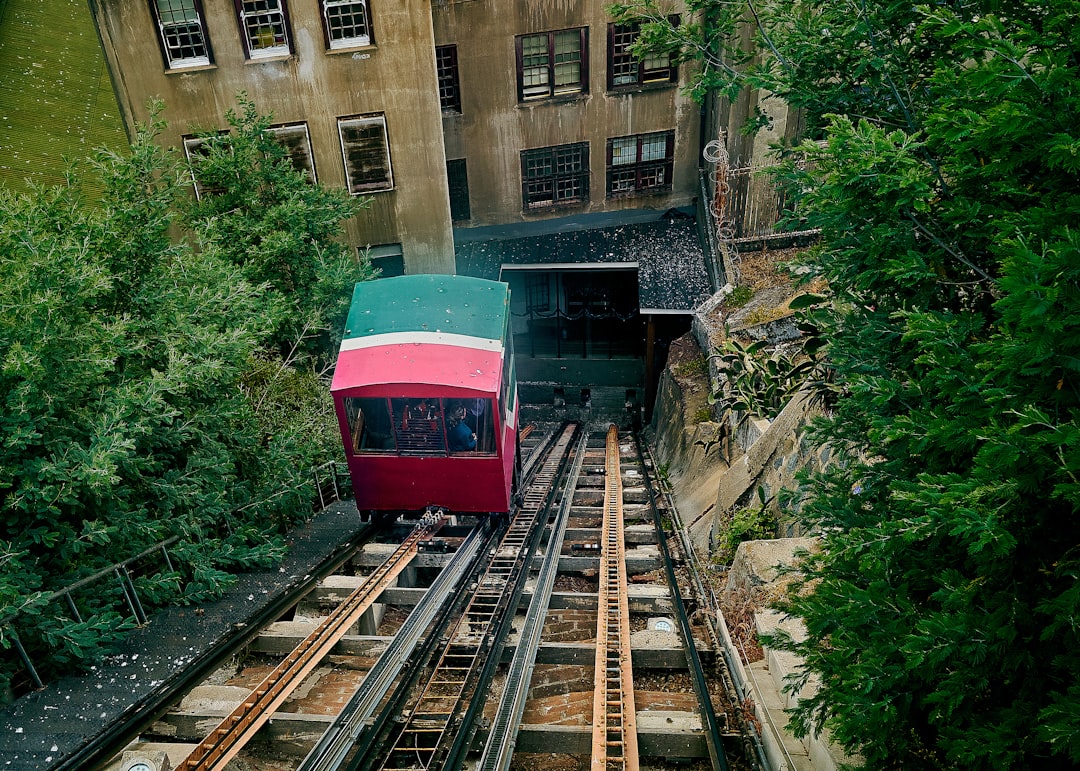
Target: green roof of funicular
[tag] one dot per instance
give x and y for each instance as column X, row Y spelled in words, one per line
column 436, row 304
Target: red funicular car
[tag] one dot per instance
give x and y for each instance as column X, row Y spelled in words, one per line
column 425, row 394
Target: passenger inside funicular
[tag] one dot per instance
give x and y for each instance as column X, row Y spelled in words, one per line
column 461, row 436
column 420, row 426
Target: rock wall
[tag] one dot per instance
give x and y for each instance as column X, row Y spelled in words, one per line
column 713, row 469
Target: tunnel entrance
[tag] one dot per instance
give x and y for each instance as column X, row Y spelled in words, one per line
column 576, row 314
column 582, row 328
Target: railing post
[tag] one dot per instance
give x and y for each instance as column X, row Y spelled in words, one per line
column 26, row 660
column 318, row 488
column 71, row 604
column 129, row 592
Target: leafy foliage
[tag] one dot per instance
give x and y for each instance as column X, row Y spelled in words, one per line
column 941, row 610
column 151, row 389
column 750, row 523
column 758, row 381
column 266, row 217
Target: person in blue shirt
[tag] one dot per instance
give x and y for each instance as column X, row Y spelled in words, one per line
column 461, row 436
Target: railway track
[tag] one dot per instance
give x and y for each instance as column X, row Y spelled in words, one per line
column 573, row 605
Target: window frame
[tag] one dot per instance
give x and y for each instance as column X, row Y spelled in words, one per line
column 640, row 167
column 191, row 145
column 269, row 52
column 383, row 255
column 308, row 167
column 418, row 427
column 342, row 43
column 557, row 154
column 457, row 183
column 363, row 188
column 620, row 58
column 448, row 78
column 551, row 66
column 537, row 291
column 183, row 63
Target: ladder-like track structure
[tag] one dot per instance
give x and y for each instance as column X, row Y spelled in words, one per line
column 435, row 729
column 614, row 745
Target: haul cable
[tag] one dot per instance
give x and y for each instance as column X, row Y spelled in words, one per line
column 715, row 745
column 499, row 748
column 332, row 749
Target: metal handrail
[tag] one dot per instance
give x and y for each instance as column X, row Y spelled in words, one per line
column 127, row 583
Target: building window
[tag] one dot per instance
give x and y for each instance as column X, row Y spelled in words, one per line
column 366, row 151
column 293, row 138
column 538, row 292
column 297, row 143
column 640, row 164
column 182, row 32
column 389, row 259
column 458, row 181
column 552, row 64
column 197, row 148
column 449, row 85
column 347, row 23
column 627, row 71
column 264, row 28
column 555, row 175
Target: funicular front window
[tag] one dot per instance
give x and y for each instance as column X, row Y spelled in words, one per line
column 421, row 426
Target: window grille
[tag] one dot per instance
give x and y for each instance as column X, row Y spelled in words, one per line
column 348, row 23
column 642, row 163
column 555, row 175
column 264, row 28
column 552, row 64
column 183, row 33
column 366, row 151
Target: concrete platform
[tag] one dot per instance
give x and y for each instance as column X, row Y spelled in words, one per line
column 47, row 729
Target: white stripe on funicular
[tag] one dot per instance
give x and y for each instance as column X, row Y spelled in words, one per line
column 426, row 338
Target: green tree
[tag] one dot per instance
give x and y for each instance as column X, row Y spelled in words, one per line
column 941, row 610
column 145, row 391
column 267, row 217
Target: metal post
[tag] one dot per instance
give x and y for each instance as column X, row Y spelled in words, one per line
column 26, row 660
column 318, row 488
column 532, row 332
column 71, row 604
column 130, row 594
column 558, row 333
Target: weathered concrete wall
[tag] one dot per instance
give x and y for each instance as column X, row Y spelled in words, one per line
column 494, row 127
column 395, row 75
column 762, row 453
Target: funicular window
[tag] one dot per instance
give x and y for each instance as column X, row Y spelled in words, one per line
column 419, row 426
column 509, row 377
column 471, row 427
column 369, row 423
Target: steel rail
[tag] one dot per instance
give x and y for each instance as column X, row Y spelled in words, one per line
column 332, row 749
column 430, row 733
column 234, row 732
column 100, row 748
column 693, row 660
column 499, row 748
column 614, row 735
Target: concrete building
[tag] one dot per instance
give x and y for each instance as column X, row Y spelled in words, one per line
column 484, row 132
